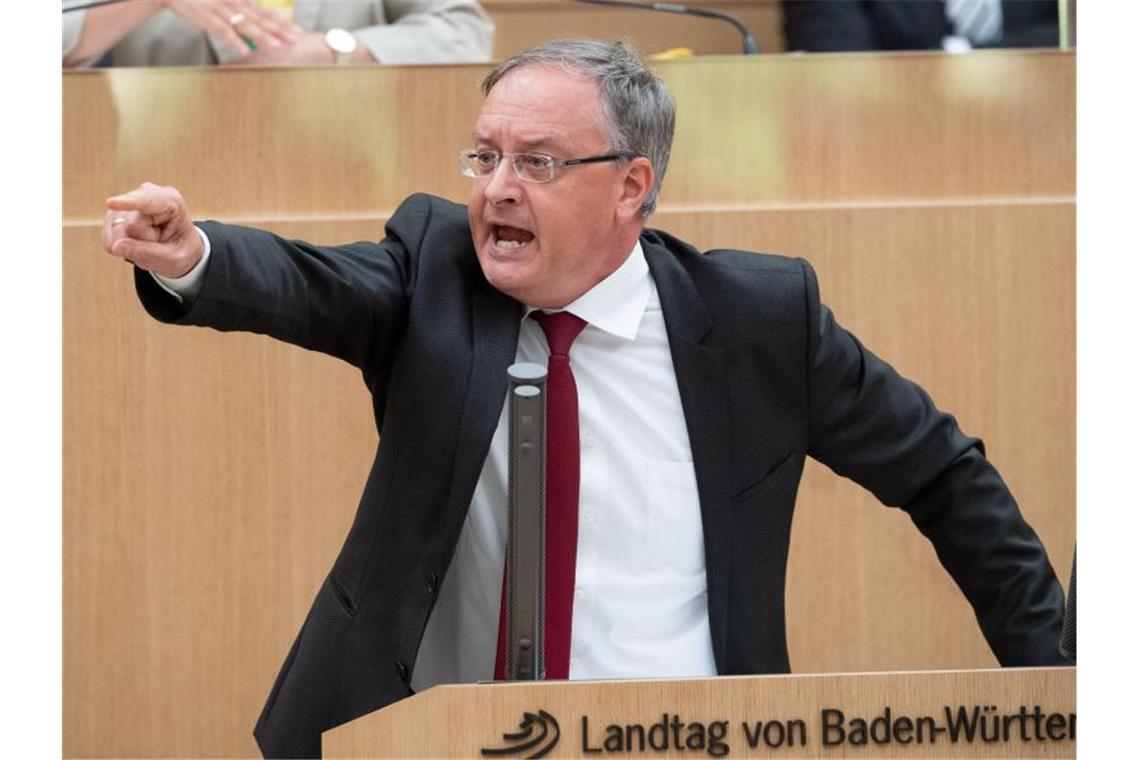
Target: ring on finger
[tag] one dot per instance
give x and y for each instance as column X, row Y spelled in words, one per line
column 237, row 18
column 119, row 220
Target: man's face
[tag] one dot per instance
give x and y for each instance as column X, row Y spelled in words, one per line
column 545, row 244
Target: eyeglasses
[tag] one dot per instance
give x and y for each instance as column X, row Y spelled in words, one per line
column 531, row 167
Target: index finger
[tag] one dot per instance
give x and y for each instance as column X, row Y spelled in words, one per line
column 142, row 200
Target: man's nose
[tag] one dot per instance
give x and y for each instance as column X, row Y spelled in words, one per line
column 503, row 186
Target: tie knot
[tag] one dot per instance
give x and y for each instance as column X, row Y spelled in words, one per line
column 561, row 329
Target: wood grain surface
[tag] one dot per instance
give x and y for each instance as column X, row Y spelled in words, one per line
column 769, row 130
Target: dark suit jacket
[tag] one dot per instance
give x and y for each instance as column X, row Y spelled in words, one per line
column 822, row 26
column 766, row 378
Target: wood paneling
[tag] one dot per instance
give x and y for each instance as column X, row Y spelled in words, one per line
column 769, row 130
column 208, row 483
column 209, row 479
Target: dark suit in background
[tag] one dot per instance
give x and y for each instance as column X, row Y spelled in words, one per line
column 766, row 378
column 822, row 26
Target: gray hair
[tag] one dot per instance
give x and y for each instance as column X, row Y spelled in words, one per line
column 638, row 109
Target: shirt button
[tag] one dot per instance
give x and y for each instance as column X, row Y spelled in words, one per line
column 589, row 441
column 579, row 593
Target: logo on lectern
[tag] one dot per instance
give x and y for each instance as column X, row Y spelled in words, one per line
column 537, row 735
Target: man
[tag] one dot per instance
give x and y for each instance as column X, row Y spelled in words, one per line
column 702, row 383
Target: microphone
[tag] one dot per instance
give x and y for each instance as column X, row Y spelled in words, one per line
column 90, row 4
column 750, row 47
column 525, row 585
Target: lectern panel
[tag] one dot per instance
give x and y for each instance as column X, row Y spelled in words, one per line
column 983, row 713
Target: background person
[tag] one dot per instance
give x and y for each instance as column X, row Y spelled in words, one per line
column 826, row 26
column 201, row 32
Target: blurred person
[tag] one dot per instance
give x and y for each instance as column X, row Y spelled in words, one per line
column 277, row 32
column 825, row 26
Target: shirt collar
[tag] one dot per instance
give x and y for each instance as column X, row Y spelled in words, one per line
column 617, row 303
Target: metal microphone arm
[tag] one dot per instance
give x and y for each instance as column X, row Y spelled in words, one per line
column 750, row 47
column 526, row 525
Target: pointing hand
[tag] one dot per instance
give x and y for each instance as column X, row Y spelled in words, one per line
column 151, row 228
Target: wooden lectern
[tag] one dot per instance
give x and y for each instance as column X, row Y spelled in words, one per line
column 1028, row 712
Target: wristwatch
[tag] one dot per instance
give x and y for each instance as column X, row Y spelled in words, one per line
column 342, row 44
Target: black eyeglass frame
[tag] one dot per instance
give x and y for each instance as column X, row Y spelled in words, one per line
column 466, row 167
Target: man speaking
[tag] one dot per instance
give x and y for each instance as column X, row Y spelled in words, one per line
column 690, row 388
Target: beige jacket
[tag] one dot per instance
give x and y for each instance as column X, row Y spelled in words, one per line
column 394, row 31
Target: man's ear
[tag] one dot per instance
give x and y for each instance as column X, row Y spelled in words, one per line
column 635, row 187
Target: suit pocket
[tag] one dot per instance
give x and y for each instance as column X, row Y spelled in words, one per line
column 674, row 531
column 766, row 480
column 342, row 596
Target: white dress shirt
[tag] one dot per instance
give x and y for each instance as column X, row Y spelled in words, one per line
column 640, row 598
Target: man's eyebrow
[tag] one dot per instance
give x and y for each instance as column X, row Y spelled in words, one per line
column 526, row 146
column 547, row 143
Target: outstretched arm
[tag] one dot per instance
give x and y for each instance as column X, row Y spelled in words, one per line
column 346, row 301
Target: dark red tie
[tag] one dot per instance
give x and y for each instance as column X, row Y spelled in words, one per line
column 562, row 465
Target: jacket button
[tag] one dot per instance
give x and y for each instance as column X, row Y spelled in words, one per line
column 433, row 583
column 402, row 670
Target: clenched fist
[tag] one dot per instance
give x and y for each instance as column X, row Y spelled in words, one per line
column 150, row 227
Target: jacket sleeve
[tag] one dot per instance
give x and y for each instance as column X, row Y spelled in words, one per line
column 1029, row 23
column 817, row 26
column 347, row 301
column 883, row 431
column 430, row 31
column 72, row 29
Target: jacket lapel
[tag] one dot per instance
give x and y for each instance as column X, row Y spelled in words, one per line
column 495, row 322
column 701, row 380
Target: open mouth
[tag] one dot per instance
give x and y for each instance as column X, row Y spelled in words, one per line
column 511, row 238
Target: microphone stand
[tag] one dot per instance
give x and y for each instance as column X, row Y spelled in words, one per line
column 750, row 47
column 526, row 524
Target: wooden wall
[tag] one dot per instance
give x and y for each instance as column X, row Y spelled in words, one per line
column 209, row 479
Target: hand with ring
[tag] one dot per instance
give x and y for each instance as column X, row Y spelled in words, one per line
column 237, row 22
column 151, row 228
